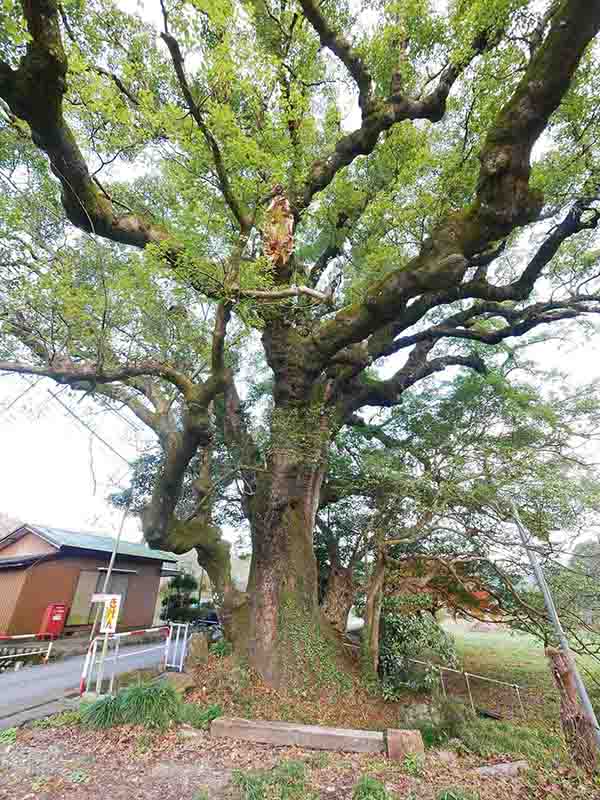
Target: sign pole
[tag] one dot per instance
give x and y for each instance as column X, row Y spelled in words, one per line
column 110, row 615
column 101, row 664
column 111, row 563
column 553, row 614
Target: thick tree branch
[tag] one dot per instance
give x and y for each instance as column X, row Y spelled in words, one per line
column 340, row 46
column 503, row 199
column 387, row 393
column 377, row 115
column 34, row 93
column 64, row 370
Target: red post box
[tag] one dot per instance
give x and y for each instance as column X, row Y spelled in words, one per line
column 53, row 621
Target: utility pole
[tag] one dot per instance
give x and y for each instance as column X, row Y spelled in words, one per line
column 553, row 614
column 111, row 564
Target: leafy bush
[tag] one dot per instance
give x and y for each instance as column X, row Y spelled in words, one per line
column 286, row 781
column 369, row 788
column 177, row 603
column 408, row 633
column 199, row 716
column 154, row 705
column 221, row 648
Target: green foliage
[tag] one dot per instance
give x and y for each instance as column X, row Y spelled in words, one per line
column 8, row 736
column 153, row 705
column 270, row 104
column 177, row 601
column 222, row 648
column 488, row 738
column 454, row 717
column 369, row 788
column 405, row 635
column 413, row 764
column 199, row 716
column 286, row 781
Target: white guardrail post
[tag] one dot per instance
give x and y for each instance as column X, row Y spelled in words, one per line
column 90, row 658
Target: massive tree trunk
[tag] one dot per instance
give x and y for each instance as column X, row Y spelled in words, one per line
column 283, row 575
column 288, row 637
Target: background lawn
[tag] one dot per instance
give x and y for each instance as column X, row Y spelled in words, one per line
column 516, row 658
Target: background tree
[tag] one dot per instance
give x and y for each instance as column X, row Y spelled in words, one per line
column 177, row 599
column 220, row 196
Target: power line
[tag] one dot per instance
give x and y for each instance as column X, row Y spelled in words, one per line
column 20, row 396
column 89, row 428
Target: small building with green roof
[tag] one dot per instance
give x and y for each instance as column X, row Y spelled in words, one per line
column 40, row 565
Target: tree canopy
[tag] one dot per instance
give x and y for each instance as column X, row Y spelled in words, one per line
column 311, row 205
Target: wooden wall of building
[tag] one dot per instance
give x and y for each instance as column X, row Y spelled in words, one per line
column 55, row 581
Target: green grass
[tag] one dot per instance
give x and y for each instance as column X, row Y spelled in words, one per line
column 489, row 738
column 456, row 794
column 8, row 736
column 154, row 705
column 515, row 658
column 286, row 781
column 369, row 788
column 62, row 720
column 222, row 648
column 508, row 656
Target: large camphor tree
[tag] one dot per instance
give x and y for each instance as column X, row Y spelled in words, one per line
column 335, row 200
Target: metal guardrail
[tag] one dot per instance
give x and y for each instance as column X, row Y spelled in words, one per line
column 174, row 651
column 8, row 652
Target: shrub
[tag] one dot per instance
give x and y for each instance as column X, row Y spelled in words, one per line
column 369, row 788
column 199, row 716
column 154, row 705
column 408, row 633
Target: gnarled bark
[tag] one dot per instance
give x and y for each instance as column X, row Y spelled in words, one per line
column 284, row 570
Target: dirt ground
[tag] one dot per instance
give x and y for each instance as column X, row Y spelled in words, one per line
column 126, row 763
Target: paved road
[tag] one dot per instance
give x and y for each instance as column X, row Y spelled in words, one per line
column 34, row 686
